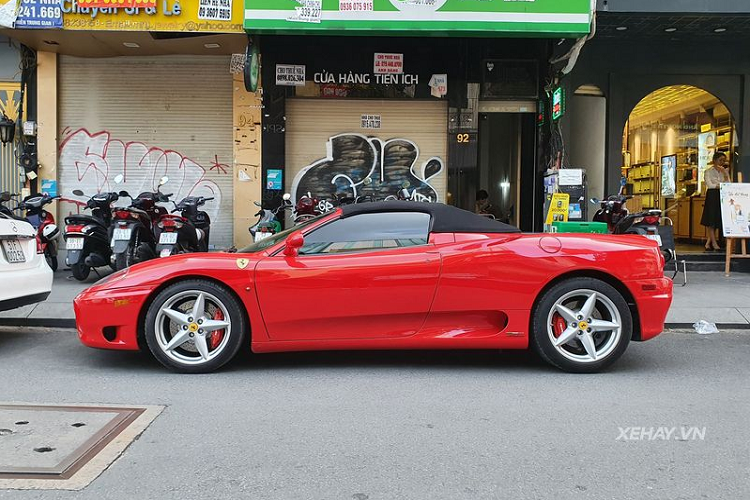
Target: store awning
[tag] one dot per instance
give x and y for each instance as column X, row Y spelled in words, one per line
column 558, row 18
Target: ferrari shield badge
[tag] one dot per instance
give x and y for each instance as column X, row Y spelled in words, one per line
column 242, row 263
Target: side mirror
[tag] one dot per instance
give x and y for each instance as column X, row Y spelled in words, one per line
column 123, row 194
column 5, row 196
column 293, row 243
column 595, row 201
column 78, row 192
column 163, row 180
column 257, row 204
column 119, row 178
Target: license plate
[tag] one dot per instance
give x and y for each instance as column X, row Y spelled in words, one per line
column 13, row 251
column 655, row 237
column 75, row 243
column 122, row 234
column 167, row 238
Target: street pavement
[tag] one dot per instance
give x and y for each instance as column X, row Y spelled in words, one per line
column 708, row 296
column 669, row 421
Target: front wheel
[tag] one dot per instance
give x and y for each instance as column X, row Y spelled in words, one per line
column 581, row 325
column 194, row 326
column 80, row 271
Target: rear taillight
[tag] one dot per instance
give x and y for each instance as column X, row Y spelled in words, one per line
column 169, row 224
column 74, row 229
column 651, row 219
column 122, row 214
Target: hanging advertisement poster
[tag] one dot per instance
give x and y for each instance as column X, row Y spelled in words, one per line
column 668, row 175
column 558, row 208
column 38, row 14
column 706, row 148
column 735, row 203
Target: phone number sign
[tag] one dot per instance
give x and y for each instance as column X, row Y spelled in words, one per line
column 37, row 14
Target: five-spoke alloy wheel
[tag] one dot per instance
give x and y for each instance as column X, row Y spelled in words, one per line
column 581, row 325
column 194, row 326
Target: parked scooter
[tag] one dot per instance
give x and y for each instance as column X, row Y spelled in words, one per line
column 132, row 232
column 47, row 231
column 306, row 208
column 268, row 223
column 5, row 197
column 87, row 236
column 187, row 232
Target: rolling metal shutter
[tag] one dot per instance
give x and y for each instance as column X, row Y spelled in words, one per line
column 146, row 117
column 331, row 143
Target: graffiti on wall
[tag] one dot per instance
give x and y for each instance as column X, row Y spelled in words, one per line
column 91, row 162
column 357, row 165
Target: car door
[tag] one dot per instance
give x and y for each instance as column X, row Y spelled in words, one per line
column 368, row 276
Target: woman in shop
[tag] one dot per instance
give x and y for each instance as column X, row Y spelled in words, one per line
column 711, row 218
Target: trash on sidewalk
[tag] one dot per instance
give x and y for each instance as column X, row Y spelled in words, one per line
column 703, row 327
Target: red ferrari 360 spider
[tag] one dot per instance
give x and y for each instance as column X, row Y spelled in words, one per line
column 388, row 275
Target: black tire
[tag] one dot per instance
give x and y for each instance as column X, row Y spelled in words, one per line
column 121, row 261
column 540, row 337
column 51, row 260
column 80, row 271
column 236, row 319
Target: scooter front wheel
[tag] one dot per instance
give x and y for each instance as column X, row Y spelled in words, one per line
column 51, row 260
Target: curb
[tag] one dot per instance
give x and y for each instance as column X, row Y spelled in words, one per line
column 39, row 322
column 720, row 326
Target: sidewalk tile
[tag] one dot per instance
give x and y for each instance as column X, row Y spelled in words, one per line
column 710, row 314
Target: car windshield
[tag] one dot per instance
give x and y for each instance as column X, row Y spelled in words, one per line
column 270, row 241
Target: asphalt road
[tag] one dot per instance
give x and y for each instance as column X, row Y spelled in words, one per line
column 411, row 425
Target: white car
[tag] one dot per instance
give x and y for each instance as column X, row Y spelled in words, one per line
column 24, row 274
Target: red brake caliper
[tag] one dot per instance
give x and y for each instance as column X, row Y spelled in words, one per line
column 558, row 324
column 217, row 335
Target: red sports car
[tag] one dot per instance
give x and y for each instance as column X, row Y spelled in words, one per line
column 388, row 275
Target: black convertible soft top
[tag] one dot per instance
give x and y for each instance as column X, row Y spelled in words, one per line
column 445, row 218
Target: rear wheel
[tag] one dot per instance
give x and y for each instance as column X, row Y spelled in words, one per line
column 50, row 255
column 194, row 326
column 581, row 325
column 80, row 271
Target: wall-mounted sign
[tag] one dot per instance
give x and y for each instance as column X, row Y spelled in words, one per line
column 49, row 187
column 438, row 85
column 388, row 64
column 365, row 78
column 371, row 122
column 551, row 17
column 39, row 14
column 166, row 15
column 558, row 103
column 274, row 179
column 570, row 177
column 558, row 208
column 290, row 75
column 215, row 10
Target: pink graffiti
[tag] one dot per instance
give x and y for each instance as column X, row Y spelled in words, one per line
column 91, row 162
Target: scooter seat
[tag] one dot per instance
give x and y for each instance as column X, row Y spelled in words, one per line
column 84, row 219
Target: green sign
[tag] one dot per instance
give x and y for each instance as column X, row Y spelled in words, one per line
column 558, row 103
column 438, row 17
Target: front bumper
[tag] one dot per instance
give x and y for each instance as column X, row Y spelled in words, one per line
column 653, row 298
column 108, row 318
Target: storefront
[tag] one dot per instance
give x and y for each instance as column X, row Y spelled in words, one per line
column 669, row 141
column 145, row 94
column 440, row 117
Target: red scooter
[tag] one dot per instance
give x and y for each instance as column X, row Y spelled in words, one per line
column 47, row 231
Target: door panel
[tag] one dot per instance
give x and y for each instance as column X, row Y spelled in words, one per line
column 347, row 296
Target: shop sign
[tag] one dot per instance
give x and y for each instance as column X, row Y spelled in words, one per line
column 215, row 10
column 371, row 122
column 290, row 75
column 36, row 14
column 551, row 17
column 390, row 64
column 735, row 204
column 118, row 4
column 558, row 103
column 558, row 208
column 365, row 78
column 164, row 15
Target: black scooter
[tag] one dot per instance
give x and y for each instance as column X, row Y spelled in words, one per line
column 87, row 236
column 187, row 232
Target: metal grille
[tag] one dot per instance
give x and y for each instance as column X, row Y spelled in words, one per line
column 10, row 172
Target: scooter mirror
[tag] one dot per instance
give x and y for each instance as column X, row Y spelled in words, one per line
column 287, row 197
column 123, row 194
column 78, row 192
column 119, row 178
column 595, row 201
column 5, row 196
column 163, row 180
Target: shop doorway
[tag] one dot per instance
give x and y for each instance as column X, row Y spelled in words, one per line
column 504, row 168
column 669, row 141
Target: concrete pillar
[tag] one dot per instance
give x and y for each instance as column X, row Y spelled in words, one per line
column 247, row 112
column 46, row 98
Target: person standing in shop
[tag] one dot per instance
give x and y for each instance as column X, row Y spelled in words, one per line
column 711, row 218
